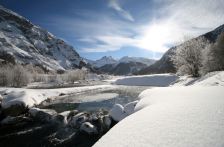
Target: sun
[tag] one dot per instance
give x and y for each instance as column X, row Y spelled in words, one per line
column 155, row 38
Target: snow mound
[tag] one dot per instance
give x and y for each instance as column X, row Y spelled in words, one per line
column 160, row 80
column 22, row 97
column 172, row 117
column 130, row 107
column 117, row 112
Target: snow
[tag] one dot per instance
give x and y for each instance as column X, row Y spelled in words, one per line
column 31, row 97
column 172, row 117
column 130, row 107
column 34, row 111
column 210, row 79
column 117, row 112
column 110, row 60
column 103, row 61
column 148, row 80
column 146, row 61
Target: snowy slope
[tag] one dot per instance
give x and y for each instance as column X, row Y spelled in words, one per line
column 127, row 59
column 26, row 43
column 210, row 79
column 103, row 61
column 172, row 117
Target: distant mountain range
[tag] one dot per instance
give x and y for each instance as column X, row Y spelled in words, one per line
column 124, row 66
column 25, row 43
column 165, row 64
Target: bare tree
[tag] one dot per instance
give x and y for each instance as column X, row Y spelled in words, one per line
column 188, row 57
column 14, row 75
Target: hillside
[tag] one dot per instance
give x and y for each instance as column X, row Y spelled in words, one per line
column 25, row 43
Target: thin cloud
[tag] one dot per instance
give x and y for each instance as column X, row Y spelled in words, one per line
column 116, row 6
column 176, row 19
column 172, row 21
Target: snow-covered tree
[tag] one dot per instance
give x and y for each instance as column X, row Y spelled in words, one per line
column 188, row 57
column 213, row 57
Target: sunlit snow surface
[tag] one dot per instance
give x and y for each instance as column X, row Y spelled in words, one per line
column 176, row 116
column 172, row 117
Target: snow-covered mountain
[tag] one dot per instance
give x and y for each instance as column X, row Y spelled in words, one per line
column 124, row 66
column 25, row 43
column 102, row 61
column 146, row 61
column 126, row 59
column 165, row 64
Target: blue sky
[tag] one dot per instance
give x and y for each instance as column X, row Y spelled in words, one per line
column 141, row 28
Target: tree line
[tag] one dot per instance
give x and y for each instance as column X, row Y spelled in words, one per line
column 198, row 56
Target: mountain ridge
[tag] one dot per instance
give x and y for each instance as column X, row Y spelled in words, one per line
column 123, row 66
column 27, row 43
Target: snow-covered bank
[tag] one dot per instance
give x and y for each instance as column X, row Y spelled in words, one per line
column 210, row 79
column 172, row 117
column 160, row 80
column 30, row 97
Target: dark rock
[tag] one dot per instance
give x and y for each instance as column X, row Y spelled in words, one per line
column 15, row 110
column 11, row 120
column 71, row 114
column 78, row 119
column 43, row 115
column 62, row 94
column 88, row 128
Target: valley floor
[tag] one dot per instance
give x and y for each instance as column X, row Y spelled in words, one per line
column 172, row 110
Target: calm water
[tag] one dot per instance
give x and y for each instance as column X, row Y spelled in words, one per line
column 93, row 101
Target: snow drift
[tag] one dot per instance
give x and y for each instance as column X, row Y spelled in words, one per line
column 172, row 117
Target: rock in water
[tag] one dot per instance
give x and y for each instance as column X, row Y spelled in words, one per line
column 1, row 98
column 44, row 115
column 71, row 114
column 78, row 119
column 11, row 120
column 107, row 121
column 130, row 107
column 88, row 128
column 62, row 117
column 15, row 110
column 117, row 112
